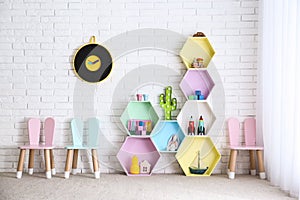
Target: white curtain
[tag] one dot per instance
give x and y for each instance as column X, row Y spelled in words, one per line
column 278, row 109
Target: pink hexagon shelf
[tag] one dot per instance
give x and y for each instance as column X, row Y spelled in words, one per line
column 143, row 148
column 196, row 80
column 195, row 109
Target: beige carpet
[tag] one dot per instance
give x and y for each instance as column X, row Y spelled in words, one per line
column 121, row 187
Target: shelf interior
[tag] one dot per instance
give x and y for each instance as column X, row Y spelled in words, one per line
column 197, row 47
column 195, row 109
column 196, row 80
column 187, row 154
column 163, row 132
column 139, row 110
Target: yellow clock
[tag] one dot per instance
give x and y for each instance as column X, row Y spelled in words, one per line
column 92, row 62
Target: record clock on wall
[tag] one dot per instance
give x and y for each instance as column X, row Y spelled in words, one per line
column 92, row 62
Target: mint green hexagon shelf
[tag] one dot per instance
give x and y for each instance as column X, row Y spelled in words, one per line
column 139, row 110
column 196, row 47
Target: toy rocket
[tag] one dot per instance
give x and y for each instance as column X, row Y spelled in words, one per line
column 201, row 128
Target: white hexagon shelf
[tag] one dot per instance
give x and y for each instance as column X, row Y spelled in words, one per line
column 194, row 80
column 195, row 109
column 137, row 111
column 198, row 156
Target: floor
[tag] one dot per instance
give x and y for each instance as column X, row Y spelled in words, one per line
column 119, row 186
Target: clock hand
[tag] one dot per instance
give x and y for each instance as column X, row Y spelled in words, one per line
column 95, row 62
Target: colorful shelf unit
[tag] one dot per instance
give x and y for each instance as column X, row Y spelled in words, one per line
column 187, row 154
column 197, row 47
column 196, row 80
column 139, row 110
column 196, row 109
column 162, row 133
column 143, row 148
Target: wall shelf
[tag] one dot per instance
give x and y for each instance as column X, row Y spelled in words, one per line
column 195, row 109
column 196, row 80
column 162, row 133
column 142, row 110
column 143, row 148
column 197, row 47
column 187, row 154
column 190, row 148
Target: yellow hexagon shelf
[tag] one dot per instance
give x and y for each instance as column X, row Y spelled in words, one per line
column 196, row 47
column 196, row 153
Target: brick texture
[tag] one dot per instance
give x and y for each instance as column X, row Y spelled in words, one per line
column 39, row 38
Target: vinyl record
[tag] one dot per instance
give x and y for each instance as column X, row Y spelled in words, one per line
column 92, row 62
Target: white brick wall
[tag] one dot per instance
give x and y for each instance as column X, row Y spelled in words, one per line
column 38, row 40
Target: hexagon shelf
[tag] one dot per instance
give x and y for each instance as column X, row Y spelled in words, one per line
column 163, row 132
column 196, row 80
column 196, row 47
column 188, row 155
column 139, row 111
column 195, row 109
column 143, row 148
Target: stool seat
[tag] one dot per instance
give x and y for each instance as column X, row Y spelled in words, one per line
column 246, row 147
column 40, row 146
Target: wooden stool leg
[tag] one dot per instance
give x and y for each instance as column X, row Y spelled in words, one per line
column 261, row 167
column 68, row 163
column 233, row 155
column 252, row 162
column 95, row 163
column 75, row 160
column 53, row 171
column 47, row 163
column 228, row 168
column 21, row 163
column 31, row 161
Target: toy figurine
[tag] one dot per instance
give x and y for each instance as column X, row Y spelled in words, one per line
column 199, row 34
column 167, row 102
column 198, row 63
column 198, row 169
column 134, row 168
column 191, row 128
column 145, row 167
column 201, row 128
column 173, row 143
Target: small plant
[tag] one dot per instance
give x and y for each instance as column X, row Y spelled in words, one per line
column 167, row 103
